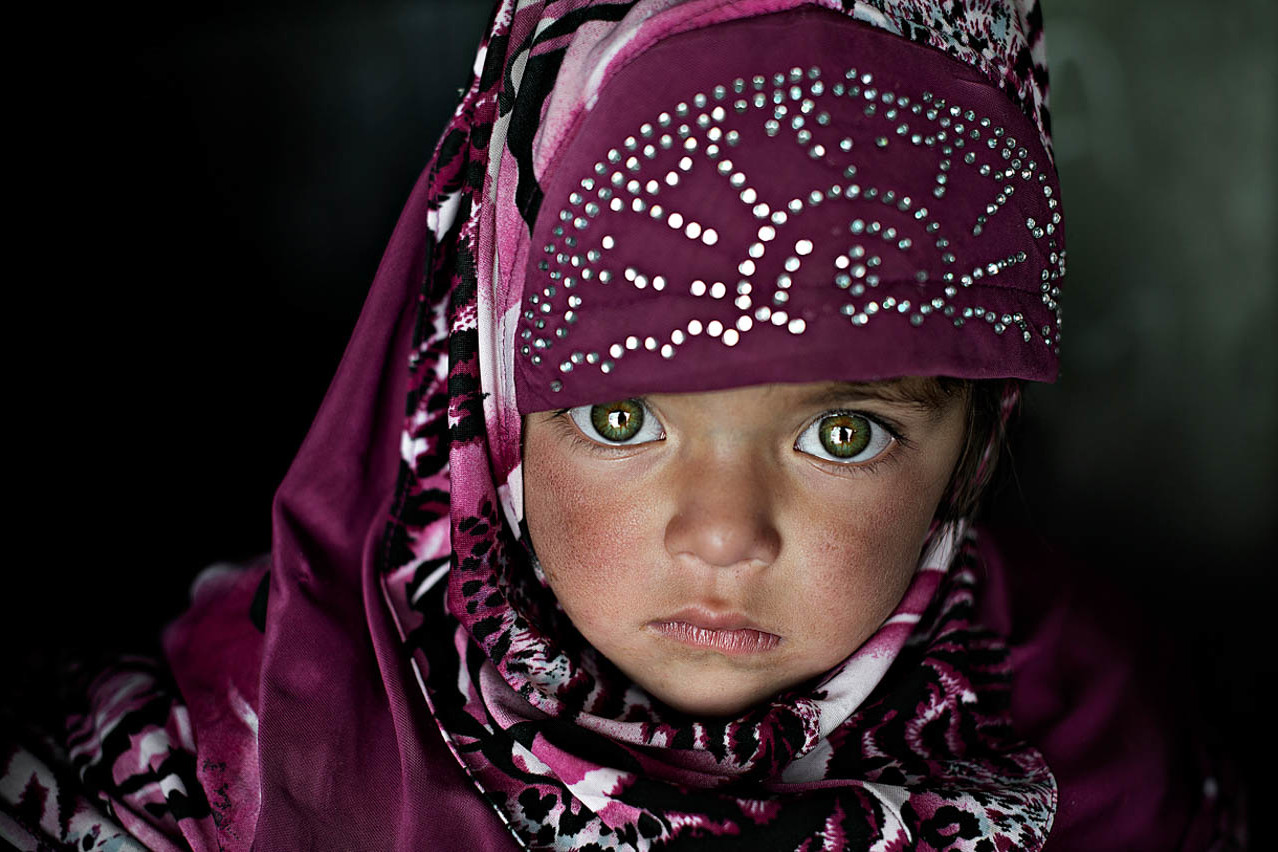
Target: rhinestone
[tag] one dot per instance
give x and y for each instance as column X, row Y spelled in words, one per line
column 779, row 217
column 698, row 288
column 744, row 323
column 756, row 250
column 746, row 267
column 709, row 236
column 730, row 337
column 694, row 327
column 715, row 328
column 658, row 283
column 675, row 221
column 692, row 230
column 803, row 247
column 667, row 351
column 791, row 264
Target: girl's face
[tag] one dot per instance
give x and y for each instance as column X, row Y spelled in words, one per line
column 722, row 547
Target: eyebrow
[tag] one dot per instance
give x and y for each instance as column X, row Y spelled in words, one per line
column 927, row 395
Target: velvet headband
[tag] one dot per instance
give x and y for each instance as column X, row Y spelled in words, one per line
column 791, row 197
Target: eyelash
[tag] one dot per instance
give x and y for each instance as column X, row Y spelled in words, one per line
column 561, row 418
column 570, row 430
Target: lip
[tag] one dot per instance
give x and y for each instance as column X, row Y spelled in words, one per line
column 726, row 632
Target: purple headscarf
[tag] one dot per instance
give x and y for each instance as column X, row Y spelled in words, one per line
column 568, row 752
column 415, row 679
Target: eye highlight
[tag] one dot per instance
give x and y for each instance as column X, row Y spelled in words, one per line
column 845, row 437
column 622, row 423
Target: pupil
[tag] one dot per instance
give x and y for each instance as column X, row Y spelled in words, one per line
column 618, row 419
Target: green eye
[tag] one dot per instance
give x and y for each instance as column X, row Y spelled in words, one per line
column 617, row 421
column 844, row 436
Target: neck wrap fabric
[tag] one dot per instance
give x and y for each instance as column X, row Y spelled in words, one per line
column 906, row 744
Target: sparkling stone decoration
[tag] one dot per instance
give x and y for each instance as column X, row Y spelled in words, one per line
column 699, row 133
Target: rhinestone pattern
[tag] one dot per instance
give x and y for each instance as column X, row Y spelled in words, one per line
column 702, row 132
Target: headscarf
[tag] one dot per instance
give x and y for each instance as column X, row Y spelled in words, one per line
column 404, row 603
column 906, row 742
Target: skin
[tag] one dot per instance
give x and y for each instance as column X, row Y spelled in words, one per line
column 726, row 516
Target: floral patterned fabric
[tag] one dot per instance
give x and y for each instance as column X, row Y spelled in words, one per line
column 907, row 744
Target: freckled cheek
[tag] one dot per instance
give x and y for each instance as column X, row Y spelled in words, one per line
column 588, row 531
column 863, row 544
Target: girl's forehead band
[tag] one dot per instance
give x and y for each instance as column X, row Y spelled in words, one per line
column 823, row 221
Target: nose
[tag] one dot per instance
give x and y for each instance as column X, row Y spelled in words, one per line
column 724, row 514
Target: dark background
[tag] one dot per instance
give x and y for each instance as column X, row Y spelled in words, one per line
column 204, row 195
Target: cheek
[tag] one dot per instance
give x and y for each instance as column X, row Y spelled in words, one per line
column 864, row 544
column 588, row 533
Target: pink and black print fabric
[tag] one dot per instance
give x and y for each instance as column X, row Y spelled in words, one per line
column 402, row 601
column 907, row 744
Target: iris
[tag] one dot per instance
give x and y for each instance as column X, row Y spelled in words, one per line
column 617, row 421
column 844, row 436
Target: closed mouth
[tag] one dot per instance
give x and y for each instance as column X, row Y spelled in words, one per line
column 728, row 640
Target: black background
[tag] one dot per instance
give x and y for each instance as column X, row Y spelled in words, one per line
column 202, row 196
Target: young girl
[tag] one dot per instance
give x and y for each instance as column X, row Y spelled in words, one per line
column 637, row 515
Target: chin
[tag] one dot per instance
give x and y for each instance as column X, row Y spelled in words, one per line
column 703, row 702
